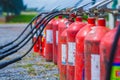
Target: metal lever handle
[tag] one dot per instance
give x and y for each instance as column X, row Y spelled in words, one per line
column 79, row 7
column 104, row 5
column 95, row 5
column 104, row 8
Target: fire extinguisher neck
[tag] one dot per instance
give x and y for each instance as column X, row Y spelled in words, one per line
column 101, row 22
column 79, row 18
column 60, row 17
column 71, row 20
column 91, row 20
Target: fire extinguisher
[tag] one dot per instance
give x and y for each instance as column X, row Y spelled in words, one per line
column 37, row 45
column 79, row 56
column 71, row 33
column 63, row 48
column 91, row 50
column 61, row 28
column 42, row 40
column 55, row 39
column 49, row 41
column 63, row 52
column 105, row 48
column 42, row 47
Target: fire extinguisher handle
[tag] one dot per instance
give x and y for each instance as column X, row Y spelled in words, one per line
column 95, row 5
column 104, row 5
column 79, row 7
column 6, row 63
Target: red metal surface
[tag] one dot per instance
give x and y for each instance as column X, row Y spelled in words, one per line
column 71, row 33
column 105, row 48
column 61, row 28
column 49, row 41
column 91, row 50
column 63, row 52
column 79, row 56
column 36, row 47
column 40, row 45
column 42, row 48
column 55, row 39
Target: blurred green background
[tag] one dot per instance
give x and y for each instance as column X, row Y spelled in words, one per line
column 22, row 11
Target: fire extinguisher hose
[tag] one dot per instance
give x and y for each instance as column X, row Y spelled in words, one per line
column 21, row 43
column 6, row 63
column 24, row 38
column 29, row 25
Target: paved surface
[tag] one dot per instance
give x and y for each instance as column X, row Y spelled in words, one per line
column 13, row 25
column 31, row 67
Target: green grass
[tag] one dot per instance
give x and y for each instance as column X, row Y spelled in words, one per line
column 23, row 18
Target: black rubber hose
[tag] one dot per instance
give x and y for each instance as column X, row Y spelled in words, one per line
column 3, row 46
column 22, row 45
column 25, row 37
column 15, row 46
column 21, row 32
column 112, row 54
column 6, row 63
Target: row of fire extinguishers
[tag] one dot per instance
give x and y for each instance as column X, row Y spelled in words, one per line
column 80, row 48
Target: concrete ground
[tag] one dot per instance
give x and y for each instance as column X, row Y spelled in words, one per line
column 31, row 67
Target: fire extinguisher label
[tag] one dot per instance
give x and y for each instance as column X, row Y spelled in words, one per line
column 71, row 53
column 49, row 37
column 57, row 37
column 95, row 67
column 115, row 71
column 63, row 54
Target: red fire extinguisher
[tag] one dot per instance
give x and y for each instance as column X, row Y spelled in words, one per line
column 79, row 56
column 105, row 48
column 91, row 50
column 49, row 41
column 63, row 53
column 71, row 33
column 61, row 28
column 37, row 45
column 42, row 47
column 55, row 39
